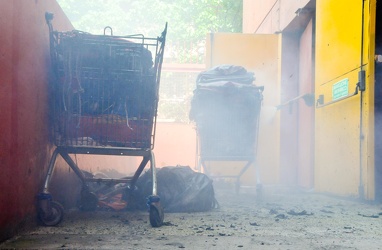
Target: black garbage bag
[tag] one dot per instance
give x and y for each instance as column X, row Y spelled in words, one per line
column 226, row 72
column 180, row 190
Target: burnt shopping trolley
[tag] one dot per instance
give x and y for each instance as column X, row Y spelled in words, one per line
column 104, row 102
column 226, row 109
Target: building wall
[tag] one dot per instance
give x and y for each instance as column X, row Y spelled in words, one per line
column 175, row 144
column 259, row 54
column 344, row 138
column 265, row 17
column 343, row 149
column 289, row 112
column 290, row 18
column 305, row 126
column 24, row 144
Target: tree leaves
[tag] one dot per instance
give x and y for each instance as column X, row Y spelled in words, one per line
column 188, row 20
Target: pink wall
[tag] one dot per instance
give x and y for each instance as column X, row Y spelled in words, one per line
column 267, row 17
column 24, row 147
column 175, row 144
column 258, row 14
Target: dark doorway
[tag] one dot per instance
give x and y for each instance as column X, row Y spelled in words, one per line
column 378, row 105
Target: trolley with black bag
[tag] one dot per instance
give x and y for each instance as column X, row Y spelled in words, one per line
column 104, row 99
column 226, row 110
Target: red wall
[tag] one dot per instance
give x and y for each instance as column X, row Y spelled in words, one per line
column 25, row 150
column 24, row 146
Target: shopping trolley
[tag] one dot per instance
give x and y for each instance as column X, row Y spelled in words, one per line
column 226, row 107
column 104, row 102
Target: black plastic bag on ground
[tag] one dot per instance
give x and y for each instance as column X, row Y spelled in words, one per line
column 180, row 190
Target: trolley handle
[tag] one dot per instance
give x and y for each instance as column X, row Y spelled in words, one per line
column 106, row 28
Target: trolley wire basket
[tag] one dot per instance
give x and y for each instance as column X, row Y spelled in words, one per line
column 106, row 89
column 104, row 99
column 226, row 109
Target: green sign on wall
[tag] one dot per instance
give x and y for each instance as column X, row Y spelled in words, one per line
column 340, row 89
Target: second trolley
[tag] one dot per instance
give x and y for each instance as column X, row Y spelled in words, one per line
column 226, row 109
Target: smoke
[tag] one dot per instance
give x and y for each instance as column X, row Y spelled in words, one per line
column 267, row 114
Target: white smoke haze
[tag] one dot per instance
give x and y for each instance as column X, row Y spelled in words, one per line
column 268, row 114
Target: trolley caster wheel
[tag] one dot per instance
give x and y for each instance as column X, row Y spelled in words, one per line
column 52, row 217
column 156, row 212
column 89, row 201
column 156, row 215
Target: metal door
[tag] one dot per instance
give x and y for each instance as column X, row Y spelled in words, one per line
column 344, row 92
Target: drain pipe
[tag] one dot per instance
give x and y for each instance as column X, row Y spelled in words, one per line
column 362, row 87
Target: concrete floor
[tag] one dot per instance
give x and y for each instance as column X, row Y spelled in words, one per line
column 282, row 219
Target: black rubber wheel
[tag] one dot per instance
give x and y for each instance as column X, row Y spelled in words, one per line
column 89, row 201
column 156, row 214
column 54, row 217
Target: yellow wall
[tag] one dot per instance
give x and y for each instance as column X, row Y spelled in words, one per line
column 340, row 153
column 344, row 152
column 260, row 54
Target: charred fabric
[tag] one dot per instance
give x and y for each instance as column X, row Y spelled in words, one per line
column 107, row 91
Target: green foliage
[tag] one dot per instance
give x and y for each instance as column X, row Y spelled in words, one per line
column 188, row 20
